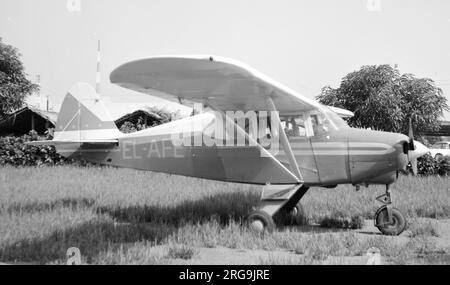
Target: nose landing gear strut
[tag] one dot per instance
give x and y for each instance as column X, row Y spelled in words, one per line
column 389, row 220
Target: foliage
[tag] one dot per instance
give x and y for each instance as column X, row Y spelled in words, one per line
column 164, row 117
column 383, row 99
column 14, row 85
column 129, row 127
column 14, row 151
column 341, row 220
column 427, row 165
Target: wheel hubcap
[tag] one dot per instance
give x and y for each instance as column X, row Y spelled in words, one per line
column 393, row 224
column 257, row 225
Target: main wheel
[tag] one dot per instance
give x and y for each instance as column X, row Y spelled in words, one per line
column 395, row 228
column 260, row 221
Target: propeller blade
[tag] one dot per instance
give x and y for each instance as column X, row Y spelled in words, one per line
column 411, row 135
column 419, row 151
column 413, row 155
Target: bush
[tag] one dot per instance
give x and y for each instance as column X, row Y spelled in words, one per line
column 427, row 165
column 138, row 125
column 342, row 221
column 444, row 166
column 129, row 127
column 14, row 152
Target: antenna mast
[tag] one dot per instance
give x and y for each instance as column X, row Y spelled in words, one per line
column 98, row 78
column 38, row 95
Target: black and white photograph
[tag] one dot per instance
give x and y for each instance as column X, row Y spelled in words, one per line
column 243, row 133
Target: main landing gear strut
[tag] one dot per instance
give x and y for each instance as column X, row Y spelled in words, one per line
column 388, row 219
column 279, row 199
column 276, row 199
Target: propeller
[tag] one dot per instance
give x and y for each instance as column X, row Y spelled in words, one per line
column 416, row 149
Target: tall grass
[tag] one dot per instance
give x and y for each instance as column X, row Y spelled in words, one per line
column 44, row 211
column 414, row 196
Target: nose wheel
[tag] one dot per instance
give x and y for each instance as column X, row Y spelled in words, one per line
column 394, row 227
column 389, row 220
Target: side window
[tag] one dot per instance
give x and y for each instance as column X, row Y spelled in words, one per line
column 294, row 126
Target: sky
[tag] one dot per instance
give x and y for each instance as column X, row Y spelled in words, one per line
column 305, row 45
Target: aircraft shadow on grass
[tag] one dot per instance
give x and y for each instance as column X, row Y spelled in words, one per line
column 116, row 225
column 129, row 224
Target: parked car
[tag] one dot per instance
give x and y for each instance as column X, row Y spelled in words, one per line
column 440, row 149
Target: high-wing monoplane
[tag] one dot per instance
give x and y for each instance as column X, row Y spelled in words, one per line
column 252, row 130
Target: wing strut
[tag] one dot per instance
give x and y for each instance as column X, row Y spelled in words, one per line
column 284, row 140
column 215, row 108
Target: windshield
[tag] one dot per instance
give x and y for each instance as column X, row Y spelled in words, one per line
column 335, row 118
column 324, row 120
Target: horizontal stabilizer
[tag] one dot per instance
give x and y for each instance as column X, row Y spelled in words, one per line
column 61, row 142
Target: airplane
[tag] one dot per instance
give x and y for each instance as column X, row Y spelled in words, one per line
column 252, row 130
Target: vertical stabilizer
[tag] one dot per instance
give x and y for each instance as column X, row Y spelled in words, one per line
column 83, row 116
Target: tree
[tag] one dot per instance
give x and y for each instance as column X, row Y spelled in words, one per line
column 14, row 85
column 139, row 124
column 384, row 99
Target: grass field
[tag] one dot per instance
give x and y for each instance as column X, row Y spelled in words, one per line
column 123, row 216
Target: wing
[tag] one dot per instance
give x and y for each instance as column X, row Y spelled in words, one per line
column 228, row 84
column 342, row 112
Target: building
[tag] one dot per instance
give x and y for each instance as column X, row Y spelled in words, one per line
column 26, row 119
column 30, row 118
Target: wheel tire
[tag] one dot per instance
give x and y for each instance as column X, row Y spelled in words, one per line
column 398, row 222
column 260, row 221
column 291, row 217
column 438, row 156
